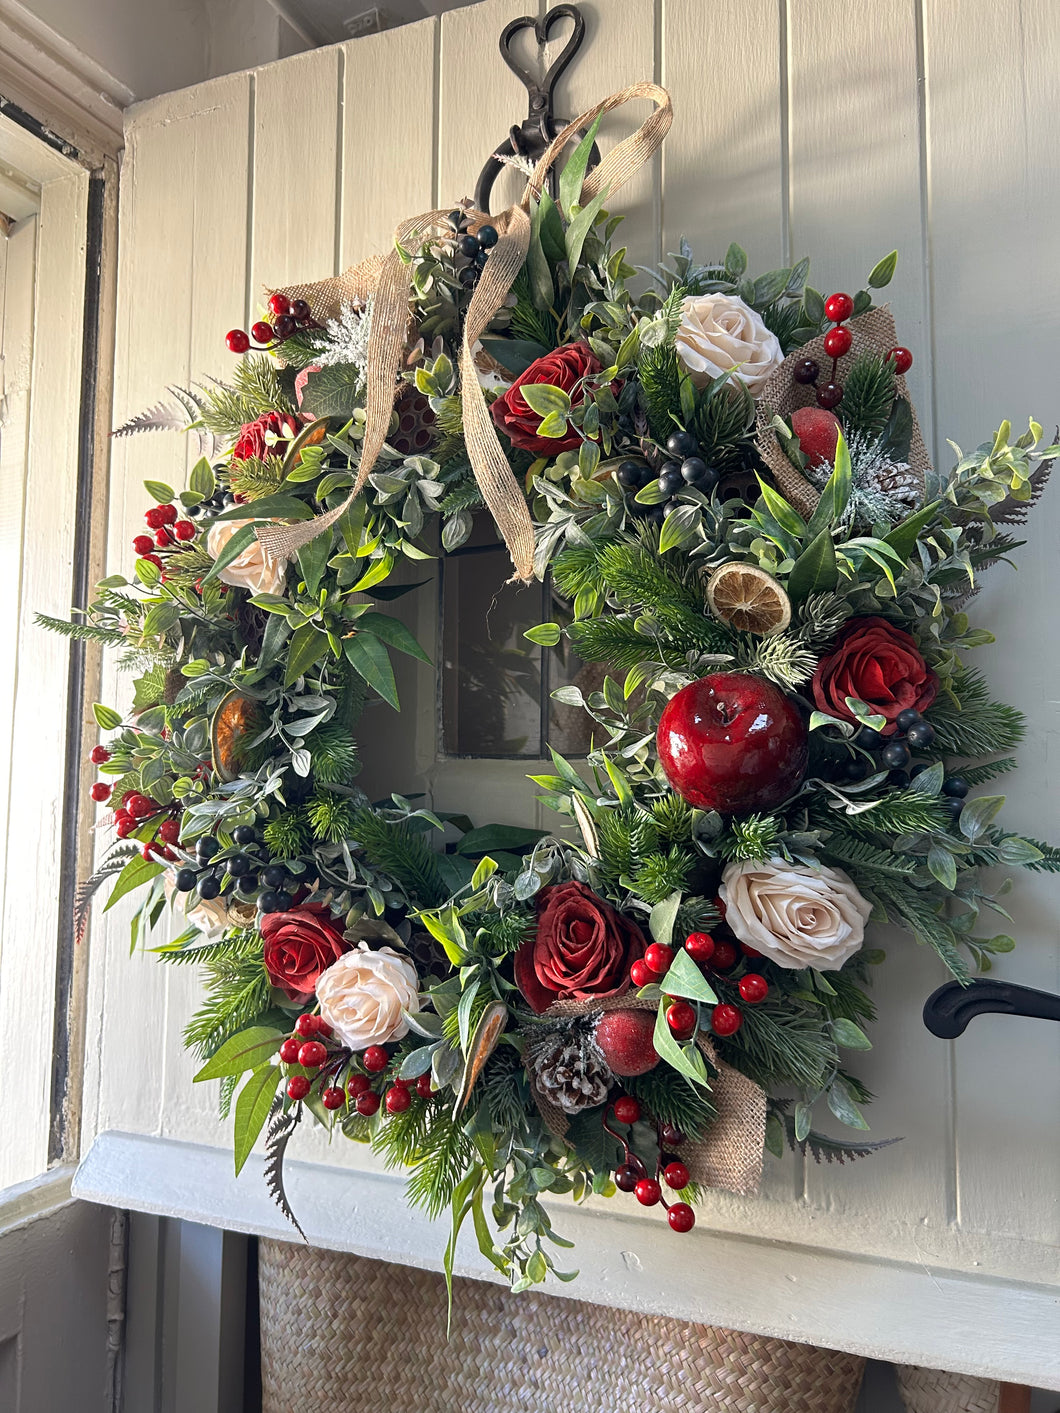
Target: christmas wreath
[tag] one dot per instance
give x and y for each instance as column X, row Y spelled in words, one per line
column 724, row 480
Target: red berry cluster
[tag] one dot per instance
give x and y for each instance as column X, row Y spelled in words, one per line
column 162, row 519
column 631, row 1175
column 308, row 1049
column 136, row 810
column 837, row 341
column 286, row 313
column 717, row 956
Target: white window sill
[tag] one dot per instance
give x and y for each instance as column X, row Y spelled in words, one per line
column 928, row 1313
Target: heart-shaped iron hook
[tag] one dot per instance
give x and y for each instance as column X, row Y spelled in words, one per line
column 531, row 138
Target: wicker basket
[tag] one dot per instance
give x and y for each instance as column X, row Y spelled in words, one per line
column 341, row 1334
column 932, row 1391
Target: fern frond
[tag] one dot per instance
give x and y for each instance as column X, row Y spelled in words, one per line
column 87, row 888
column 281, row 1126
column 159, row 418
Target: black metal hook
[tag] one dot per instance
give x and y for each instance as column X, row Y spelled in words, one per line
column 531, row 138
column 948, row 1010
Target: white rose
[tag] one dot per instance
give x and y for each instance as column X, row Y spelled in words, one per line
column 253, row 569
column 794, row 915
column 720, row 330
column 363, row 994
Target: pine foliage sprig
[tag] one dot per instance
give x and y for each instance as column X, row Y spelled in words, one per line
column 819, row 618
column 722, row 425
column 335, row 758
column 921, row 914
column 660, row 874
column 660, row 380
column 395, row 850
column 288, row 835
column 899, row 812
column 989, row 770
column 672, row 817
column 255, row 477
column 968, row 723
column 332, row 817
column 752, row 839
column 1050, row 857
column 614, row 640
column 863, row 856
column 669, row 1098
column 429, row 1141
column 782, row 1043
column 237, row 993
column 81, row 632
column 782, row 657
column 868, row 395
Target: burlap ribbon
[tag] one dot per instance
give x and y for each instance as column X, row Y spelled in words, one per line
column 872, row 332
column 390, row 321
column 729, row 1154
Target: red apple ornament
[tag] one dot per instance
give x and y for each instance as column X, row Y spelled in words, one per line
column 732, row 742
column 625, row 1040
column 818, row 432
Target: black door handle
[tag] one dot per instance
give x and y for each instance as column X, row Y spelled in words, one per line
column 948, row 1010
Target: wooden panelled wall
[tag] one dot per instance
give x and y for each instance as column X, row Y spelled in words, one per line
column 805, row 126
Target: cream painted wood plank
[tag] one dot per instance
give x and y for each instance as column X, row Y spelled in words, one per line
column 994, row 210
column 618, row 49
column 176, row 146
column 30, row 919
column 723, row 163
column 855, row 145
column 479, row 98
column 854, row 192
column 377, row 191
column 297, row 161
column 19, row 254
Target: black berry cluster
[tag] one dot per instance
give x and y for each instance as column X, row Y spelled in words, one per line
column 473, row 249
column 249, row 872
column 684, row 468
column 895, row 753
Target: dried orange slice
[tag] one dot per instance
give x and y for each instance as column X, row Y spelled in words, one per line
column 233, row 720
column 749, row 599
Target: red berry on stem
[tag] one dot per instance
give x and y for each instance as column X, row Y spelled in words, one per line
column 398, row 1099
column 300, row 310
column 681, row 1217
column 749, row 951
column 726, row 1020
column 125, row 827
column 168, row 514
column 424, row 1086
column 725, row 956
column 140, row 806
column 672, row 1136
column 184, row 530
column 298, row 1086
column 368, row 1103
column 261, row 332
column 837, row 342
column 306, row 1025
column 676, row 1175
column 901, row 358
column 831, row 395
column 806, row 372
column 838, row 307
column 753, row 988
column 658, row 958
column 100, row 792
column 627, row 1109
column 154, row 517
column 333, row 1098
column 358, row 1084
column 700, row 946
column 143, row 544
column 640, row 975
column 163, row 537
column 681, row 1018
column 279, row 304
column 154, row 559
column 169, row 831
column 237, row 341
column 289, row 1050
column 312, row 1055
column 648, row 1192
column 147, row 850
column 324, row 1028
column 626, row 1177
column 375, row 1059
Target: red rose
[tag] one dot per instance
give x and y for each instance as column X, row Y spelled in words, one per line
column 299, row 945
column 582, row 947
column 879, row 664
column 562, row 369
column 252, row 442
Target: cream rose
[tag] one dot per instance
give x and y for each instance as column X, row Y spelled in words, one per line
column 363, row 994
column 794, row 915
column 720, row 330
column 253, row 569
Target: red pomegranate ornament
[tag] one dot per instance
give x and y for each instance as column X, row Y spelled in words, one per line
column 625, row 1040
column 732, row 742
column 818, row 433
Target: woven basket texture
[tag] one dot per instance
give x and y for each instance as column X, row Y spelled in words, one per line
column 342, row 1334
column 932, row 1391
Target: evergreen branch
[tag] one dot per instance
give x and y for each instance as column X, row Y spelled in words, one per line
column 968, row 723
column 401, row 854
column 1050, row 858
column 861, row 855
column 868, row 396
column 722, row 425
column 782, row 657
column 660, row 380
column 920, row 914
column 898, row 812
column 980, row 774
column 255, row 477
column 238, row 992
column 669, row 1098
column 782, row 1043
column 81, row 632
column 428, row 1140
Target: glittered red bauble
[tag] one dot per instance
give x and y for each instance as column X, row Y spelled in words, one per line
column 818, row 434
column 624, row 1037
column 732, row 742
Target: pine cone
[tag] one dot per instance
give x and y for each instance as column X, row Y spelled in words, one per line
column 569, row 1069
